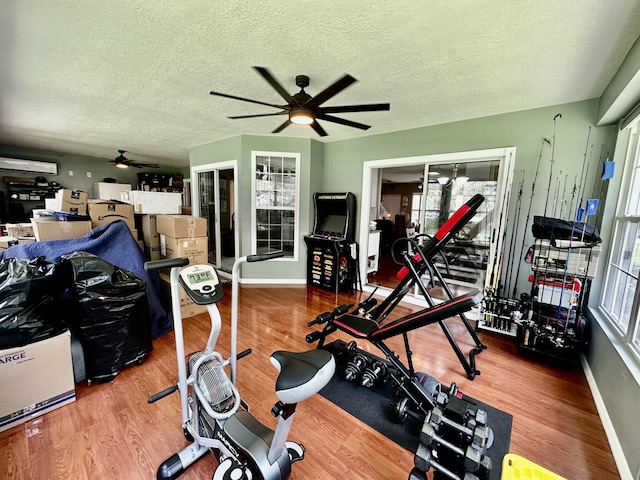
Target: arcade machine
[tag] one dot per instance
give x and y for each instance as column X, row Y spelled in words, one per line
column 331, row 248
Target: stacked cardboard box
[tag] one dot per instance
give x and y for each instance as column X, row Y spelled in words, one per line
column 183, row 236
column 105, row 211
column 150, row 236
column 71, row 201
column 110, row 191
column 57, row 229
column 153, row 203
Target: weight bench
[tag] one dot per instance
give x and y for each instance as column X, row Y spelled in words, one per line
column 366, row 322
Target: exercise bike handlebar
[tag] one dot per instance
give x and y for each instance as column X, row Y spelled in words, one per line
column 235, row 280
column 165, row 263
column 265, row 256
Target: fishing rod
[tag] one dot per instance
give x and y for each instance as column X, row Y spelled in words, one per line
column 514, row 232
column 526, row 222
column 556, row 196
column 553, row 152
column 581, row 184
column 573, row 195
column 563, row 202
column 496, row 269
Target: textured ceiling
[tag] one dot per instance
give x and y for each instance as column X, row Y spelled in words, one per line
column 90, row 77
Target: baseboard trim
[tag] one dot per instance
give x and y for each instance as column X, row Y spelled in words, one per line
column 614, row 443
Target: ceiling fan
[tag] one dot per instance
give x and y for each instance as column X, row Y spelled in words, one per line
column 303, row 109
column 123, row 162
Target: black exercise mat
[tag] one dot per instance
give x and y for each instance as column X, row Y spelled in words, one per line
column 374, row 408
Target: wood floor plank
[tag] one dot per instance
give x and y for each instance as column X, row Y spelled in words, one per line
column 112, row 432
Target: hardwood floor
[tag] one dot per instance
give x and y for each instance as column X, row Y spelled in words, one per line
column 111, row 432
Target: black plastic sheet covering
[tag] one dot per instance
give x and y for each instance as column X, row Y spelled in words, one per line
column 108, row 310
column 29, row 310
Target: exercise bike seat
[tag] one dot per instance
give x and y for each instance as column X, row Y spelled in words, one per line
column 302, row 374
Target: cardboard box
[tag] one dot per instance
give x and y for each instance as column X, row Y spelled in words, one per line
column 153, row 253
column 56, row 230
column 105, row 211
column 195, row 249
column 110, row 191
column 6, row 242
column 19, row 229
column 150, row 230
column 188, row 308
column 181, row 226
column 153, row 202
column 72, row 201
column 41, row 379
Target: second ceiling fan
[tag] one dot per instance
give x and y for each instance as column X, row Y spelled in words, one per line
column 303, row 109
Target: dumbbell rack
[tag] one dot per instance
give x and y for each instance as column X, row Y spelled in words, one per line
column 453, row 441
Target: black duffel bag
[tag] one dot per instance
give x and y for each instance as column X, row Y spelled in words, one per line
column 553, row 229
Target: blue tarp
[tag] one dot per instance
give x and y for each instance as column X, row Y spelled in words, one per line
column 114, row 243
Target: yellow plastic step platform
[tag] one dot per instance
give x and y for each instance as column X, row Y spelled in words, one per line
column 515, row 467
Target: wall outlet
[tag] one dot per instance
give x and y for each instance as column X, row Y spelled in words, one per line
column 88, row 174
column 71, row 173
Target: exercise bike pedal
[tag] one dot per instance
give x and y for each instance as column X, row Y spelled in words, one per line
column 230, row 469
column 296, row 451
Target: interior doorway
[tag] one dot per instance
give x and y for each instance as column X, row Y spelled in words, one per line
column 214, row 193
column 415, row 196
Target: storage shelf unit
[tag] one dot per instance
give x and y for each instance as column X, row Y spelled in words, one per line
column 25, row 194
column 559, row 278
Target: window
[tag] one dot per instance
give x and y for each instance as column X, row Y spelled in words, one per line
column 620, row 294
column 275, row 200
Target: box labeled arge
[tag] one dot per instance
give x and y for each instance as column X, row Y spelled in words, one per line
column 36, row 379
column 105, row 211
column 181, row 226
column 71, row 201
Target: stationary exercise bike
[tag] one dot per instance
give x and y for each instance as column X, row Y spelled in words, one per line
column 214, row 418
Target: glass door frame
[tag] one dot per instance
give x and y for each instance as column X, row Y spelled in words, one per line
column 216, row 168
column 370, row 175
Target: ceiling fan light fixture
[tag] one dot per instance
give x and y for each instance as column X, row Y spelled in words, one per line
column 122, row 165
column 301, row 116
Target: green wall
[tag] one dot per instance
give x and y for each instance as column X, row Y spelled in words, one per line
column 311, row 166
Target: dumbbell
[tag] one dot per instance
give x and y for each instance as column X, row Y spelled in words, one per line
column 474, row 460
column 478, row 435
column 423, row 461
column 355, row 367
column 373, row 374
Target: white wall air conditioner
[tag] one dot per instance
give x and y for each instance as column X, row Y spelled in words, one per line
column 28, row 165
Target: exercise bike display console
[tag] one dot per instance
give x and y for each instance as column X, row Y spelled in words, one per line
column 201, row 283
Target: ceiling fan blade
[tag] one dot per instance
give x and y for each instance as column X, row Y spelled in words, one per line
column 372, row 107
column 319, row 130
column 282, row 126
column 266, row 74
column 330, row 91
column 343, row 121
column 144, row 165
column 246, row 99
column 258, row 115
